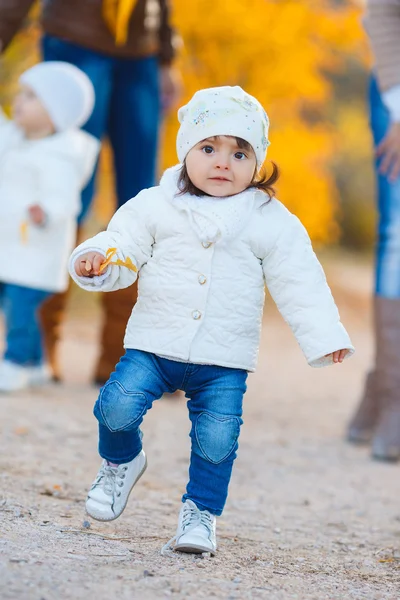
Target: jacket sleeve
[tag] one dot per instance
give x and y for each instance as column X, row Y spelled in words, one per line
column 58, row 191
column 382, row 23
column 60, row 182
column 169, row 39
column 131, row 233
column 298, row 286
column 12, row 13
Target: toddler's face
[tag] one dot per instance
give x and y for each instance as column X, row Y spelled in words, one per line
column 219, row 167
column 30, row 114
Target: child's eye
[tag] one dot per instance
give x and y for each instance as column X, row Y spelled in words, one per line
column 240, row 155
column 208, row 149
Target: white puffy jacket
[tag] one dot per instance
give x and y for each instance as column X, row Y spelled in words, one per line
column 50, row 172
column 201, row 300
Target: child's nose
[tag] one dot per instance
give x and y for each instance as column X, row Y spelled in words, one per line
column 222, row 162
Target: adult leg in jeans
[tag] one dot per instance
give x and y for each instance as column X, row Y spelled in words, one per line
column 215, row 410
column 378, row 414
column 133, row 130
column 24, row 345
column 99, row 70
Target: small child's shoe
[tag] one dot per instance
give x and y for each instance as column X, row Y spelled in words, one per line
column 39, row 375
column 196, row 531
column 110, row 490
column 13, row 377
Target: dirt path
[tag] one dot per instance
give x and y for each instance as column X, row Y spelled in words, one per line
column 308, row 516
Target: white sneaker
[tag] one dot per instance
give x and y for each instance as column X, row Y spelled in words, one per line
column 196, row 531
column 110, row 490
column 13, row 377
column 39, row 375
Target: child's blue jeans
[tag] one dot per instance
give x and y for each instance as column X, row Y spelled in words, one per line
column 388, row 246
column 21, row 306
column 215, row 410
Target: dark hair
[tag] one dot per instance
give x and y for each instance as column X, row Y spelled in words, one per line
column 260, row 180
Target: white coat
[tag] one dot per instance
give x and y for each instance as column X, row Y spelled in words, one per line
column 203, row 264
column 50, row 172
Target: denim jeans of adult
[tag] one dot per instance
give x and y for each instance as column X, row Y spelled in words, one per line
column 215, row 409
column 388, row 243
column 20, row 306
column 127, row 110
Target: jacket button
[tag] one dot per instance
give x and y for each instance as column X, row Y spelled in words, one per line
column 202, row 279
column 206, row 244
column 196, row 314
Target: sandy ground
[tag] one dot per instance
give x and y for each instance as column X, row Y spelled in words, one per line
column 308, row 516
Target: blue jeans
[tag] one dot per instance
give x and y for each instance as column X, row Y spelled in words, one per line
column 127, row 109
column 215, row 410
column 388, row 243
column 23, row 332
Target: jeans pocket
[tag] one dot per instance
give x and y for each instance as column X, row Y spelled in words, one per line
column 217, row 435
column 119, row 409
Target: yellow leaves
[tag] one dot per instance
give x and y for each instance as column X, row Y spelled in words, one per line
column 21, row 54
column 21, row 431
column 23, row 232
column 280, row 51
column 306, row 186
column 111, row 252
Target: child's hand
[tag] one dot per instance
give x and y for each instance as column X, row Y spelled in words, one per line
column 338, row 356
column 88, row 265
column 36, row 214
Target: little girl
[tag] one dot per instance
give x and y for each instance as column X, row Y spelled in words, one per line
column 205, row 241
column 45, row 162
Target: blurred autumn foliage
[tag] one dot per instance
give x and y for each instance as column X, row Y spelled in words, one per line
column 306, row 62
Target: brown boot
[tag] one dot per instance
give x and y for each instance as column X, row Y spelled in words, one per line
column 51, row 317
column 117, row 307
column 363, row 423
column 386, row 440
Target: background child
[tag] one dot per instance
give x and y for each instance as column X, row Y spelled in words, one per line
column 205, row 242
column 44, row 163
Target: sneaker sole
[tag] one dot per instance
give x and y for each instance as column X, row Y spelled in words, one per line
column 127, row 498
column 193, row 549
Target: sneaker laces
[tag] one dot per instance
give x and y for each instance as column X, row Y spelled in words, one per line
column 108, row 477
column 192, row 517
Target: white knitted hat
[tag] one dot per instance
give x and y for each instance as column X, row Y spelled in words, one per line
column 223, row 111
column 64, row 90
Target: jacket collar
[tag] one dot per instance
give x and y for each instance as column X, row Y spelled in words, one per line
column 212, row 219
